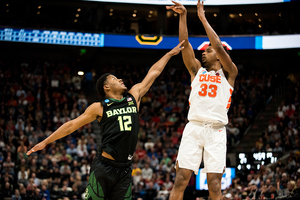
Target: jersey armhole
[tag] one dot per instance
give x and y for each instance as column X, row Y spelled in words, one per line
column 103, row 111
column 196, row 75
column 133, row 99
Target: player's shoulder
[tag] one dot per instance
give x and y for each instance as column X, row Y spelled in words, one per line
column 95, row 107
column 96, row 104
column 135, row 87
column 135, row 91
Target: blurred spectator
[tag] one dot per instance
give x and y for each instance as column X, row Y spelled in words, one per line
column 31, row 187
column 271, row 193
column 297, row 190
column 268, row 148
column 72, row 151
column 23, row 175
column 151, row 193
column 137, row 177
column 291, row 164
column 147, row 173
column 140, row 151
column 255, row 180
column 85, row 169
column 23, row 192
column 8, row 166
column 36, row 181
column 20, row 125
column 76, row 193
column 277, row 148
column 7, row 191
column 82, row 152
column 135, row 169
column 163, row 194
column 37, row 194
column 272, row 127
column 17, row 195
column 154, row 161
column 64, row 193
column 149, row 144
column 168, row 184
column 291, row 188
column 165, row 159
column 45, row 194
column 20, row 92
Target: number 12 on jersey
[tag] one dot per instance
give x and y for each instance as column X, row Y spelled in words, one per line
column 203, row 90
column 125, row 123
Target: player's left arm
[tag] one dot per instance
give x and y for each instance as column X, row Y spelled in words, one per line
column 216, row 43
column 92, row 112
column 140, row 89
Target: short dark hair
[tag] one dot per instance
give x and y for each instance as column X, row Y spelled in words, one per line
column 100, row 83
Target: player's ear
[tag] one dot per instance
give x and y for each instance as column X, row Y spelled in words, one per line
column 106, row 87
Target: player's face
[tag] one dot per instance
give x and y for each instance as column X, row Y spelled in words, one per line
column 115, row 83
column 209, row 56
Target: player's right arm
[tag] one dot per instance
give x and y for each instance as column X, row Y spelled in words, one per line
column 140, row 89
column 93, row 112
column 188, row 55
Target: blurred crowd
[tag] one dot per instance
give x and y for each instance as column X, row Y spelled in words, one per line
column 282, row 133
column 274, row 182
column 37, row 97
column 280, row 180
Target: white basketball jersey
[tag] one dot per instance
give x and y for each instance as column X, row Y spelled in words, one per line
column 210, row 97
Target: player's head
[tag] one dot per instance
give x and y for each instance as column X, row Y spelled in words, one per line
column 109, row 83
column 209, row 56
column 100, row 84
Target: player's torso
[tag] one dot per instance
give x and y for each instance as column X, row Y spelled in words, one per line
column 119, row 127
column 210, row 97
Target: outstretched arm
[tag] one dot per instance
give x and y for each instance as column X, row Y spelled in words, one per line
column 188, row 55
column 93, row 112
column 216, row 43
column 140, row 89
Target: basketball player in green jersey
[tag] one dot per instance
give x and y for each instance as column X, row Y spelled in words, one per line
column 110, row 177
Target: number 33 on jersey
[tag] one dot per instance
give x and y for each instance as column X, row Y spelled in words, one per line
column 210, row 97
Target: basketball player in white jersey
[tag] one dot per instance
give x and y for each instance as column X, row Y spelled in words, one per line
column 210, row 98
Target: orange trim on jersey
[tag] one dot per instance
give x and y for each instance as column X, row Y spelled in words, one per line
column 229, row 101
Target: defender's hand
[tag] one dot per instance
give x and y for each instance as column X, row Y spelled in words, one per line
column 36, row 148
column 178, row 8
column 200, row 10
column 177, row 49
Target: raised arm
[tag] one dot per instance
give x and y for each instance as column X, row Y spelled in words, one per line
column 93, row 112
column 216, row 43
column 140, row 89
column 188, row 55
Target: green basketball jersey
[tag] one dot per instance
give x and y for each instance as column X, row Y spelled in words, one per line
column 119, row 127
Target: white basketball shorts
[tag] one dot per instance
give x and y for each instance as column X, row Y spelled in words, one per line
column 203, row 139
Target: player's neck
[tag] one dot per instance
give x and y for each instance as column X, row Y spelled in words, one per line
column 214, row 67
column 115, row 96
